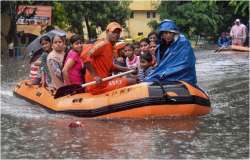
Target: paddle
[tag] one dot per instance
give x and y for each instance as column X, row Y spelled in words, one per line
column 71, row 89
column 219, row 49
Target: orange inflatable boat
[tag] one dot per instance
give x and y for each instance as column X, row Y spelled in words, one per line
column 233, row 48
column 144, row 100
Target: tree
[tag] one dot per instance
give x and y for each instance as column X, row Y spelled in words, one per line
column 230, row 10
column 153, row 24
column 94, row 13
column 240, row 7
column 206, row 18
column 193, row 18
column 59, row 15
column 10, row 8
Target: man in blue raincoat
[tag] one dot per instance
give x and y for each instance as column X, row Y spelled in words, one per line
column 175, row 56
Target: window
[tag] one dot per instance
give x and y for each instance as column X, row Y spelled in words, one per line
column 148, row 14
column 140, row 33
column 153, row 14
column 132, row 15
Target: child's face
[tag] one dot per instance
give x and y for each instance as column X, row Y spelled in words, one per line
column 137, row 50
column 144, row 63
column 129, row 52
column 152, row 48
column 46, row 45
column 77, row 46
column 121, row 52
column 153, row 38
column 58, row 44
column 144, row 47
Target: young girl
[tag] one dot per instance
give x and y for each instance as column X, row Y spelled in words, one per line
column 73, row 64
column 152, row 47
column 152, row 51
column 55, row 61
column 144, row 45
column 42, row 62
column 132, row 61
column 35, row 75
column 137, row 50
column 120, row 58
column 153, row 37
column 145, row 66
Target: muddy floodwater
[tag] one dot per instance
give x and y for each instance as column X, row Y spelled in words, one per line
column 30, row 132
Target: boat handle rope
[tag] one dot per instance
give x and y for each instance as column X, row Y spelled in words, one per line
column 164, row 93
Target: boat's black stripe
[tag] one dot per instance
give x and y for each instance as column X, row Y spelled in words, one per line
column 130, row 105
column 139, row 103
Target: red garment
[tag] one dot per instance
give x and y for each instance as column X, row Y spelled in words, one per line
column 110, row 85
column 34, row 71
column 101, row 57
column 75, row 76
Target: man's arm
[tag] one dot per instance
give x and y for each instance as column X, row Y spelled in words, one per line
column 92, row 71
column 120, row 68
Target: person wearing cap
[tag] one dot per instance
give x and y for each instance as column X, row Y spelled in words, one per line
column 99, row 62
column 238, row 33
column 175, row 56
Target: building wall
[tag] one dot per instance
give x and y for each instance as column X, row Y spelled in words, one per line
column 144, row 4
column 139, row 23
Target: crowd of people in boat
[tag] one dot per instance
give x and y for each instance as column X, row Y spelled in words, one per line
column 237, row 36
column 162, row 57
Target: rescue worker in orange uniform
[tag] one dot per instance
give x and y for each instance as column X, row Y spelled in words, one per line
column 99, row 63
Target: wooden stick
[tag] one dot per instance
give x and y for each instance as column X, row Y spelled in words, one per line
column 107, row 78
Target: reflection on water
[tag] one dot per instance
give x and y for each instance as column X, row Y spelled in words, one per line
column 53, row 138
column 28, row 131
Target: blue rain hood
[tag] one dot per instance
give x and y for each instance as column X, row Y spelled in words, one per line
column 168, row 25
column 177, row 63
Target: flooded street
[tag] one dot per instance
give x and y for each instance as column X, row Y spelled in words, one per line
column 30, row 132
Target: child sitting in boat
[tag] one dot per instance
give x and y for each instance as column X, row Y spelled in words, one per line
column 55, row 61
column 72, row 70
column 144, row 45
column 35, row 75
column 153, row 37
column 132, row 61
column 152, row 51
column 137, row 50
column 146, row 66
column 42, row 61
column 120, row 59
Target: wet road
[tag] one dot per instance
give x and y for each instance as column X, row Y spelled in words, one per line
column 30, row 132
